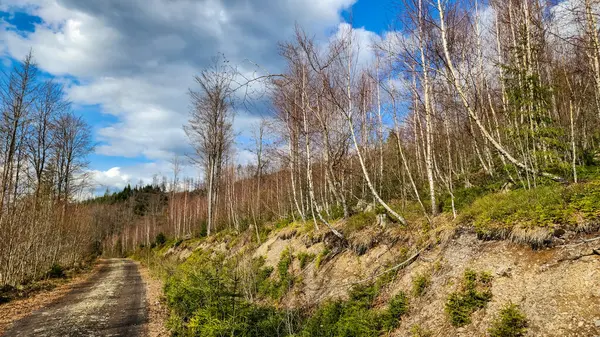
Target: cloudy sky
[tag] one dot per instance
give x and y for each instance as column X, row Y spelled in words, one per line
column 127, row 64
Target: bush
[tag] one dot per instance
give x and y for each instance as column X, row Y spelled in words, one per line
column 356, row 317
column 542, row 206
column 161, row 239
column 56, row 271
column 474, row 294
column 510, row 323
column 336, row 212
column 276, row 289
column 420, row 284
column 284, row 222
column 397, row 308
column 350, row 318
column 206, row 299
column 177, row 243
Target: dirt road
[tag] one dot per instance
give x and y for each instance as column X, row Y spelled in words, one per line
column 111, row 303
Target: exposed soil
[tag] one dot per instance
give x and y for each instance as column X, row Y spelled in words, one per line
column 557, row 288
column 110, row 303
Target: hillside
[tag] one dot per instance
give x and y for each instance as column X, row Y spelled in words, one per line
column 545, row 265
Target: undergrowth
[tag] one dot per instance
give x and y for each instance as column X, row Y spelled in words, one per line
column 356, row 316
column 213, row 295
column 530, row 215
column 276, row 288
column 511, row 322
column 206, row 297
column 474, row 293
column 420, row 284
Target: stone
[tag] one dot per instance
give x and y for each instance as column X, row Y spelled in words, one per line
column 504, row 272
column 597, row 323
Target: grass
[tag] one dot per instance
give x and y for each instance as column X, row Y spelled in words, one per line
column 474, row 294
column 322, row 255
column 360, row 221
column 417, row 331
column 305, row 258
column 530, row 216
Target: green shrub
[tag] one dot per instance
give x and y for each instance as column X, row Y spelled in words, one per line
column 345, row 319
column 543, row 206
column 511, row 322
column 420, row 284
column 473, row 294
column 585, row 198
column 160, row 239
column 177, row 243
column 275, row 289
column 356, row 317
column 263, row 284
column 56, row 271
column 305, row 258
column 324, row 321
column 397, row 308
column 363, row 294
column 206, row 299
column 284, row 264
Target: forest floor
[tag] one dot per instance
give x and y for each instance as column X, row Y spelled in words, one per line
column 110, row 302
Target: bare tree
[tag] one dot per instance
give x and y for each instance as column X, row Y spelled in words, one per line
column 210, row 126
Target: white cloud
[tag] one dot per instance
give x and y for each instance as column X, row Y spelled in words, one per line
column 136, row 58
column 112, row 177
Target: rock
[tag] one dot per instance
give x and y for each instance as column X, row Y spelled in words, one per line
column 580, row 324
column 504, row 272
column 597, row 323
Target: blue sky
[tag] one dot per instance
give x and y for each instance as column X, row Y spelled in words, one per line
column 127, row 64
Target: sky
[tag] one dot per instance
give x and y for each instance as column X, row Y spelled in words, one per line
column 127, row 65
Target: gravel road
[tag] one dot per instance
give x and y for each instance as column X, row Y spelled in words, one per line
column 111, row 303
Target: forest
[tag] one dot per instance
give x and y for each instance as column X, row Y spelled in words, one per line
column 460, row 101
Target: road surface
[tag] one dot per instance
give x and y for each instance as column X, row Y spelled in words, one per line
column 111, row 303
